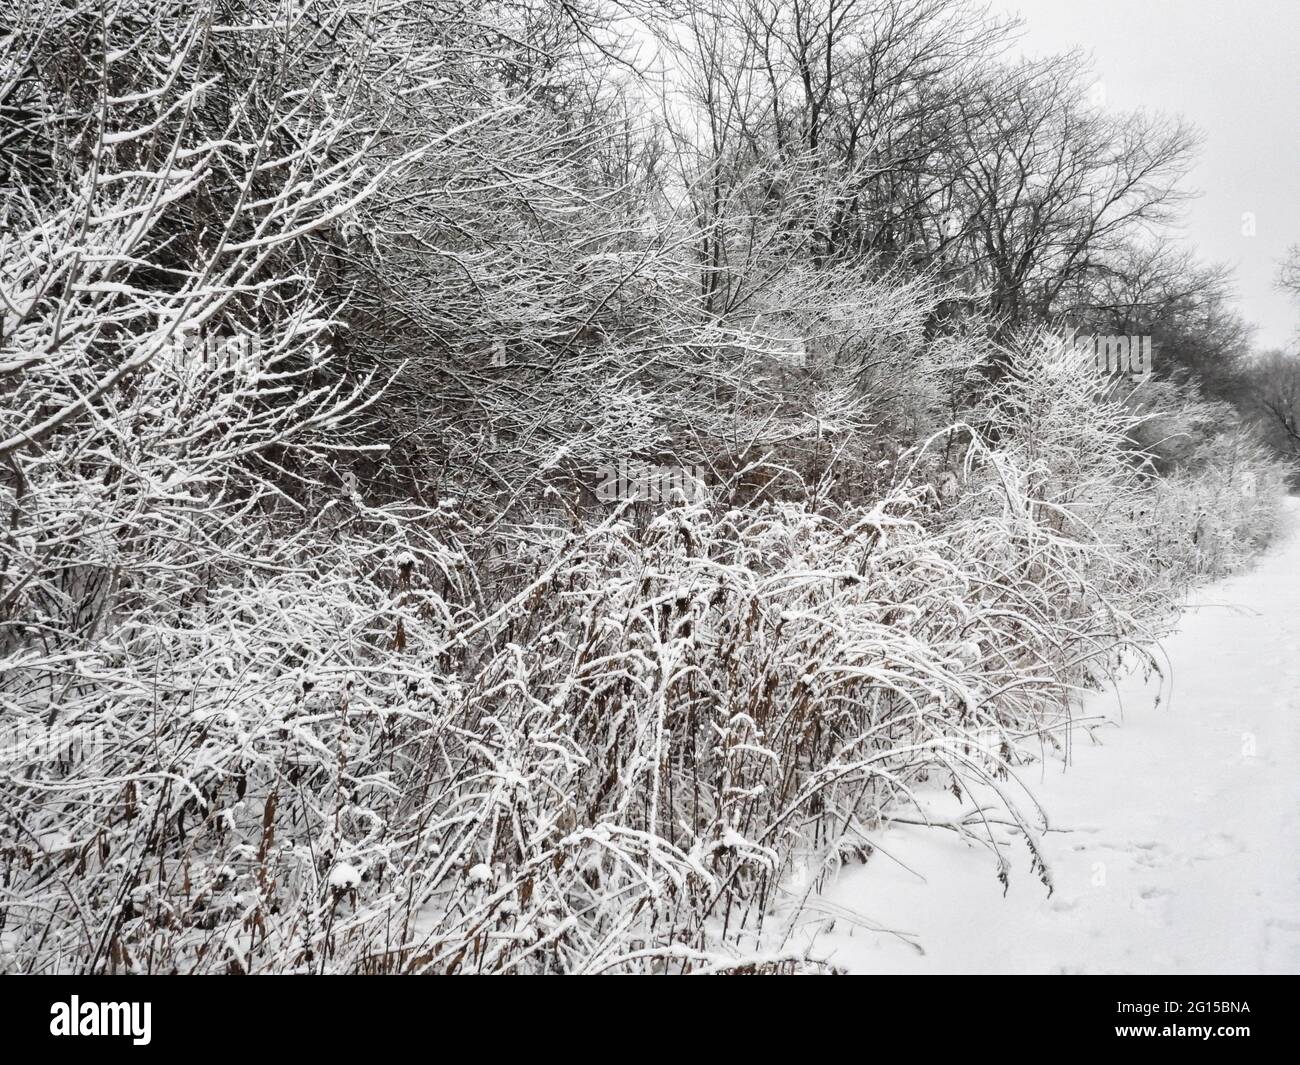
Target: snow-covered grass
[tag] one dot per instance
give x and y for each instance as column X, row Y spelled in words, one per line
column 1170, row 836
column 321, row 751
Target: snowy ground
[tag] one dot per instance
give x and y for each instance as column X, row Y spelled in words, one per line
column 1175, row 839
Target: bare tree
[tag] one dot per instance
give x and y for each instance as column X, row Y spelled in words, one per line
column 1276, row 394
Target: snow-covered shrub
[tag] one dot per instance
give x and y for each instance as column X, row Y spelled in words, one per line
column 187, row 590
column 1216, row 513
column 1216, row 503
column 319, row 751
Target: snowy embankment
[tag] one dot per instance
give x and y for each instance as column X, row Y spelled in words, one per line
column 1174, row 840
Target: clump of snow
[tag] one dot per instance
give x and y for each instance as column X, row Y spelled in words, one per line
column 344, row 877
column 54, row 841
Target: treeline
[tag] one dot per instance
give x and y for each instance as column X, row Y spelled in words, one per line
column 327, row 325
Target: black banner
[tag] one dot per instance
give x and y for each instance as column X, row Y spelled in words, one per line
column 141, row 1015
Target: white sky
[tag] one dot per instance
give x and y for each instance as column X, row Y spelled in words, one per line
column 1232, row 67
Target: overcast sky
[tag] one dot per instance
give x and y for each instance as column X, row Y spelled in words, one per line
column 1232, row 67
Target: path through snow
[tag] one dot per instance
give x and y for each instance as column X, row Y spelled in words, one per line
column 1175, row 844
